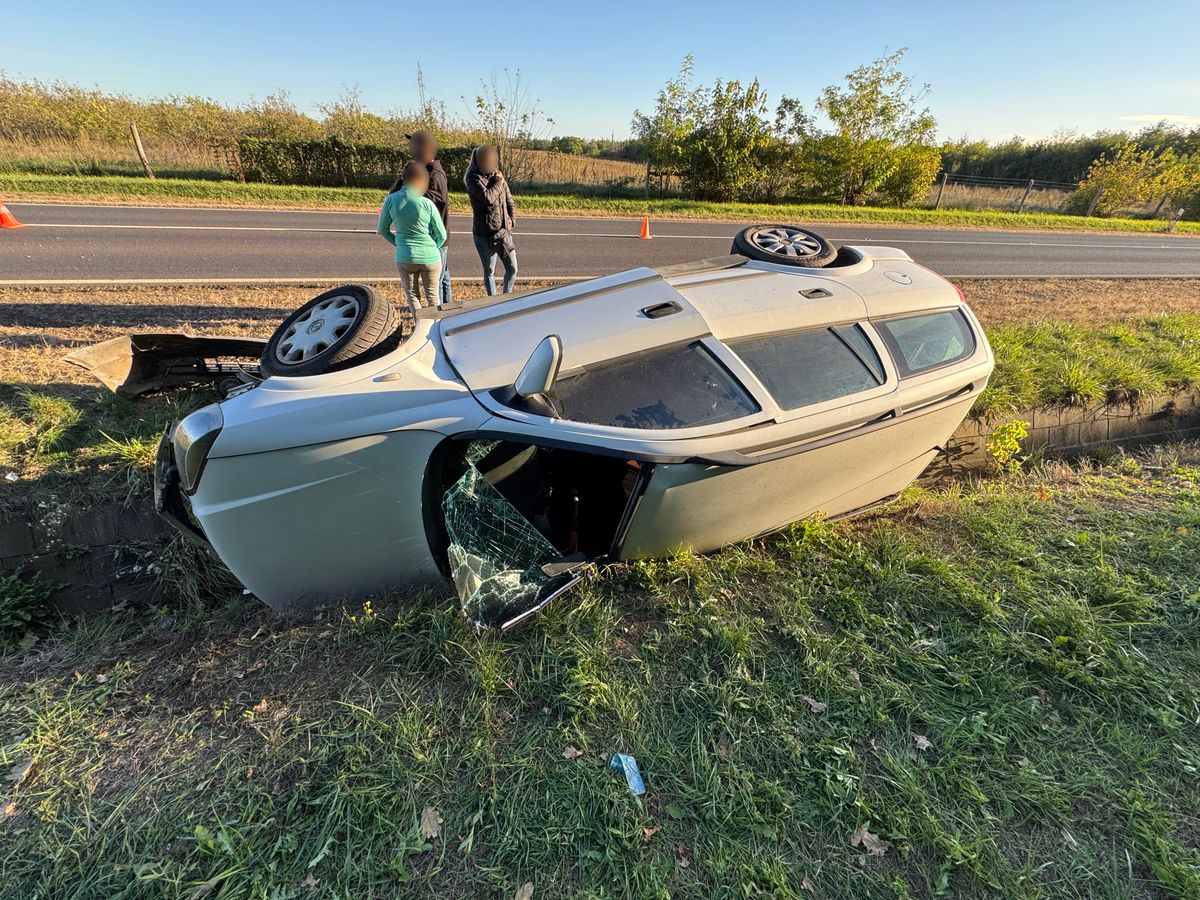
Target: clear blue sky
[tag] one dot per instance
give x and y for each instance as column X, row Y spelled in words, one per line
column 997, row 69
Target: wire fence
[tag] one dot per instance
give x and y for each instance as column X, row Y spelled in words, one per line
column 984, row 192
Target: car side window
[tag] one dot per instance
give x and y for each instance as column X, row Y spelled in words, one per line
column 676, row 387
column 807, row 367
column 927, row 341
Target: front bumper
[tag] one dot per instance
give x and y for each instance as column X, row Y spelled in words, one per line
column 169, row 501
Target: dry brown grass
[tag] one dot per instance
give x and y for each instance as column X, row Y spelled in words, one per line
column 38, row 326
column 1083, row 301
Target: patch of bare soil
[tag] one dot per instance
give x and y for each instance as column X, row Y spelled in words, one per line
column 1084, row 301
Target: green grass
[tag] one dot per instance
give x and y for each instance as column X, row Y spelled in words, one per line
column 14, row 185
column 1062, row 364
column 1041, row 632
column 91, row 442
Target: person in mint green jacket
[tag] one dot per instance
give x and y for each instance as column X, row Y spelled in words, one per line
column 411, row 223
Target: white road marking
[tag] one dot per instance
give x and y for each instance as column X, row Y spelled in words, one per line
column 217, row 279
column 369, row 231
column 602, row 234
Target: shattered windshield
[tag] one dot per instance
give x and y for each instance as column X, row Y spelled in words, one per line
column 496, row 555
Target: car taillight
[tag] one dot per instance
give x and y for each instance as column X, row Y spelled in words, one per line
column 192, row 439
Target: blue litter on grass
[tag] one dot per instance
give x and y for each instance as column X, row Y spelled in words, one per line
column 624, row 762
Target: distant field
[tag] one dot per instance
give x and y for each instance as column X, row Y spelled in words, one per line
column 185, row 192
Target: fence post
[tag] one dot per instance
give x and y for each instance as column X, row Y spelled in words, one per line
column 1025, row 196
column 1176, row 215
column 941, row 188
column 141, row 153
column 1095, row 199
column 1161, row 203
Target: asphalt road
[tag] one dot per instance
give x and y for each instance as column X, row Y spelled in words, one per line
column 107, row 244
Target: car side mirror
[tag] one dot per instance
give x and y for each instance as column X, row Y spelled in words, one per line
column 541, row 369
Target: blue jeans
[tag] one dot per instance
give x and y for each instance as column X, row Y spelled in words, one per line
column 488, row 257
column 445, row 292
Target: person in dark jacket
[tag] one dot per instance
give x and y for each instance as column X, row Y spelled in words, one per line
column 492, row 217
column 422, row 146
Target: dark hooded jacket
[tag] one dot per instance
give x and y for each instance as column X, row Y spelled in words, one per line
column 438, row 192
column 492, row 210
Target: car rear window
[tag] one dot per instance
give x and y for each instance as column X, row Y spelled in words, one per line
column 676, row 387
column 807, row 367
column 924, row 342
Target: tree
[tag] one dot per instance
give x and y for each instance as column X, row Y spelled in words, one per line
column 509, row 116
column 665, row 135
column 348, row 120
column 569, row 144
column 728, row 147
column 879, row 128
column 1128, row 177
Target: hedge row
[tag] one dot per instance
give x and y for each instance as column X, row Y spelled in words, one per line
column 334, row 163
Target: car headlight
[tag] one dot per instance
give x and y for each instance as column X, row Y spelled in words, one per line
column 192, row 439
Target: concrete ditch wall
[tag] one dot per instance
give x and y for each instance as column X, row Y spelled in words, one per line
column 100, row 556
column 105, row 555
column 1074, row 430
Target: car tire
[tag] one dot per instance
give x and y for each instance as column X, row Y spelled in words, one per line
column 332, row 331
column 787, row 245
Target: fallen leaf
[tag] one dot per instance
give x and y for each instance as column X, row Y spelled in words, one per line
column 261, row 664
column 855, row 680
column 260, row 706
column 10, row 810
column 1042, row 693
column 815, row 705
column 807, row 885
column 20, row 771
column 101, row 679
column 259, row 632
column 922, row 742
column 1182, row 529
column 724, row 743
column 545, row 710
column 431, row 823
column 683, row 855
column 524, row 892
column 726, row 593
column 933, row 626
column 570, row 752
column 310, row 881
column 118, row 607
column 868, row 841
column 647, row 833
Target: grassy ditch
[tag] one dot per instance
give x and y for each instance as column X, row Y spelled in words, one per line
column 117, row 189
column 988, row 690
column 1066, row 364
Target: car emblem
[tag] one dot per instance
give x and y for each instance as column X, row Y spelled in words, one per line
column 316, row 326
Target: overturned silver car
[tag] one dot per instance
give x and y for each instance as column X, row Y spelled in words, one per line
column 507, row 445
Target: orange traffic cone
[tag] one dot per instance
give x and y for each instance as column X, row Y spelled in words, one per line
column 645, row 235
column 7, row 219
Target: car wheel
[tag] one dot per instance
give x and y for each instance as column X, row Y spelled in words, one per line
column 785, row 244
column 331, row 331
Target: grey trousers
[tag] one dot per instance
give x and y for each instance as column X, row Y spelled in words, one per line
column 420, row 283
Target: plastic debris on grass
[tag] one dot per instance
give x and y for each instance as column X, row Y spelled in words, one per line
column 627, row 765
